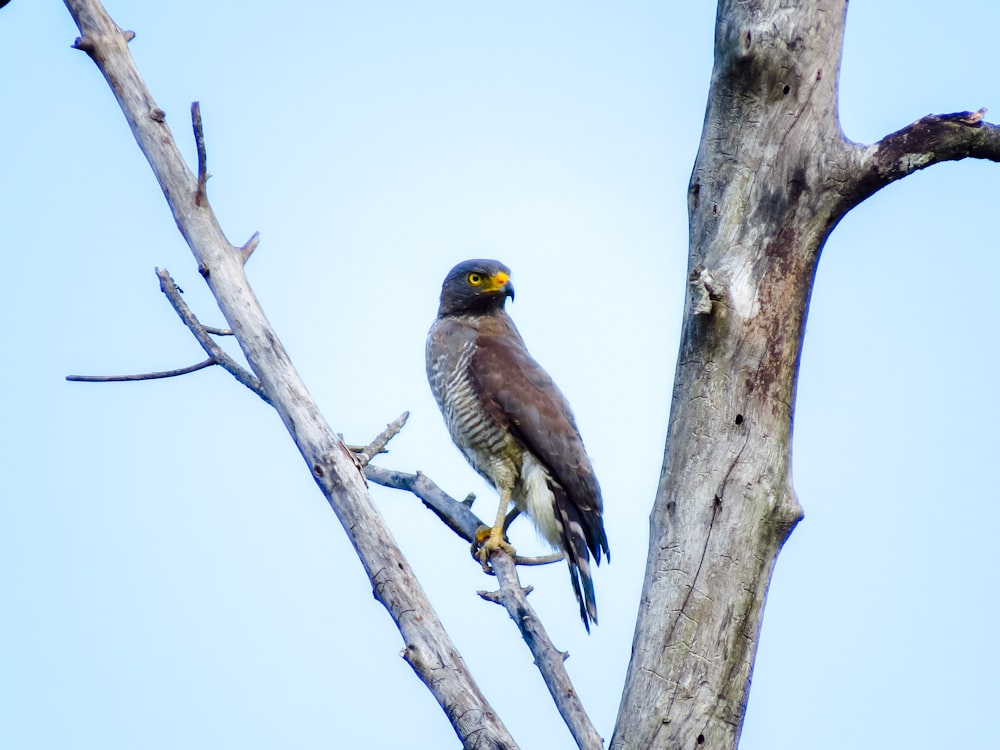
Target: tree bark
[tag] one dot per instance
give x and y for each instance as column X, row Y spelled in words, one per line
column 773, row 176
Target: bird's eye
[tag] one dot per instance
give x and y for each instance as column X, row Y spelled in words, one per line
column 475, row 279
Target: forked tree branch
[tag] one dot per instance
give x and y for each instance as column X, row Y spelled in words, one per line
column 216, row 352
column 366, row 453
column 773, row 176
column 428, row 649
column 458, row 516
column 203, row 333
column 548, row 659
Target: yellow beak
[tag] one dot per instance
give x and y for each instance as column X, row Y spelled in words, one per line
column 500, row 283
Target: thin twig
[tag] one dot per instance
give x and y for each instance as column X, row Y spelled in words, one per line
column 539, row 560
column 144, row 376
column 199, row 138
column 217, row 331
column 216, row 352
column 494, row 596
column 251, row 244
column 378, row 445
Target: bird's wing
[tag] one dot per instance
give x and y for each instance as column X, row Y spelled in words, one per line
column 520, row 395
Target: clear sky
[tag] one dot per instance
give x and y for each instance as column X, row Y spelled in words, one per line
column 170, row 575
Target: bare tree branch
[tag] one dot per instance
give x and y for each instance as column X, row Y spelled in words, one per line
column 376, row 446
column 555, row 557
column 549, row 660
column 460, row 518
column 217, row 356
column 456, row 516
column 199, row 139
column 930, row 140
column 251, row 244
column 144, row 376
column 216, row 352
column 429, row 650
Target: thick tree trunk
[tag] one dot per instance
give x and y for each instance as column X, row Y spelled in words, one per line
column 761, row 206
column 774, row 175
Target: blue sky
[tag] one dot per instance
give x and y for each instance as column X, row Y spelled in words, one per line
column 171, row 576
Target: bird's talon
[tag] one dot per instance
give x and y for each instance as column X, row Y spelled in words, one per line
column 486, row 541
column 484, row 560
column 482, row 534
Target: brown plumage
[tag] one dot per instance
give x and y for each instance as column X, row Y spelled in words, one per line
column 512, row 423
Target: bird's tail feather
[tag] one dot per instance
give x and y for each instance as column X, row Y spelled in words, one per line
column 575, row 543
column 583, row 587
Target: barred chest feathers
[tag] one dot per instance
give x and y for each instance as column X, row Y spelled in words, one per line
column 492, row 450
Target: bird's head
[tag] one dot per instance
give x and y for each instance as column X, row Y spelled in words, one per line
column 477, row 287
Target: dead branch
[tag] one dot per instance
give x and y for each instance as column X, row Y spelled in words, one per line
column 217, row 356
column 251, row 244
column 377, row 446
column 144, row 376
column 199, row 139
column 549, row 660
column 930, row 140
column 429, row 650
column 216, row 352
column 456, row 515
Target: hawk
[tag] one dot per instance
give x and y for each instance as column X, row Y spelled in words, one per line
column 513, row 424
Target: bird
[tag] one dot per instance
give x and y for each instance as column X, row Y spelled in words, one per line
column 513, row 424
